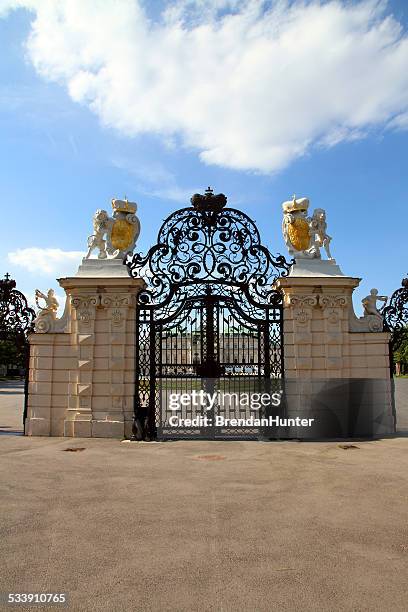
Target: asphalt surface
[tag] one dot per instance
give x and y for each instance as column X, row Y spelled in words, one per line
column 204, row 525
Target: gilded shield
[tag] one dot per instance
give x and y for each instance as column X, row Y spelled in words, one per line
column 298, row 233
column 122, row 234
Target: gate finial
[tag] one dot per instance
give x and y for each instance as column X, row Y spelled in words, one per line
column 7, row 283
column 209, row 202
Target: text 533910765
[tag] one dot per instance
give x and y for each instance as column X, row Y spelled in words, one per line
column 34, row 598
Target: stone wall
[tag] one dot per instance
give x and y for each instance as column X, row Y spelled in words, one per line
column 82, row 377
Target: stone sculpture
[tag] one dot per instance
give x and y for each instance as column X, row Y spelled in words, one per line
column 305, row 236
column 101, row 225
column 115, row 236
column 320, row 239
column 370, row 303
column 372, row 319
column 51, row 303
column 47, row 314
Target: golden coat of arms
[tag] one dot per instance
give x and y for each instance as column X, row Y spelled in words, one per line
column 122, row 234
column 298, row 234
column 125, row 226
column 296, row 226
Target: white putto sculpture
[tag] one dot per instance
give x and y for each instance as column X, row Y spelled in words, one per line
column 51, row 303
column 320, row 239
column 47, row 315
column 115, row 236
column 370, row 303
column 372, row 319
column 305, row 236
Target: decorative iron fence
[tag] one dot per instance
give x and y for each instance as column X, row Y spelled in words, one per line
column 16, row 322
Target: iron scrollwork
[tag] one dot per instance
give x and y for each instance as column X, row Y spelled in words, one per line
column 208, row 260
column 16, row 317
column 208, row 242
column 396, row 315
column 16, row 322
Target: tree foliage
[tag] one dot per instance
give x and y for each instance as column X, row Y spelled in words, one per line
column 12, row 354
column 401, row 354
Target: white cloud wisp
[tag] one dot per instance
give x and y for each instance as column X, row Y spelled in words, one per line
column 46, row 262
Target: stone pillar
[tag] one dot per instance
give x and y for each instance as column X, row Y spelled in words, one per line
column 82, row 377
column 103, row 334
column 331, row 356
column 321, row 337
column 316, row 325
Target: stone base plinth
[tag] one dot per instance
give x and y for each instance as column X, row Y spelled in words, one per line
column 102, row 268
column 306, row 267
column 78, row 429
column 37, row 427
column 108, row 429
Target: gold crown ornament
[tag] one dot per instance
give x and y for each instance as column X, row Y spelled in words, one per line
column 124, row 206
column 296, row 205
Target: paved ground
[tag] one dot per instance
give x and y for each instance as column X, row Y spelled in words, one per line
column 205, row 525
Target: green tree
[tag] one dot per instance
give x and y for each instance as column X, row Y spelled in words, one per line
column 401, row 354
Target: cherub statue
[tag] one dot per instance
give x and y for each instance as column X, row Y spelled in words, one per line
column 320, row 239
column 51, row 303
column 102, row 225
column 47, row 316
column 370, row 303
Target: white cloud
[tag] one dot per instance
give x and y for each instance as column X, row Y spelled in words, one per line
column 248, row 87
column 47, row 262
column 155, row 180
column 400, row 122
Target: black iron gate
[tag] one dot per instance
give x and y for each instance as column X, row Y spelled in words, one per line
column 16, row 322
column 209, row 319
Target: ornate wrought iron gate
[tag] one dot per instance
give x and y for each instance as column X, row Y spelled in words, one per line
column 209, row 315
column 16, row 322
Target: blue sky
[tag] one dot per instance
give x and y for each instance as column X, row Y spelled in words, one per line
column 156, row 102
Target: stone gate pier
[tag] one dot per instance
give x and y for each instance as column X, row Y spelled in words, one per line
column 81, row 376
column 81, row 381
column 332, row 358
